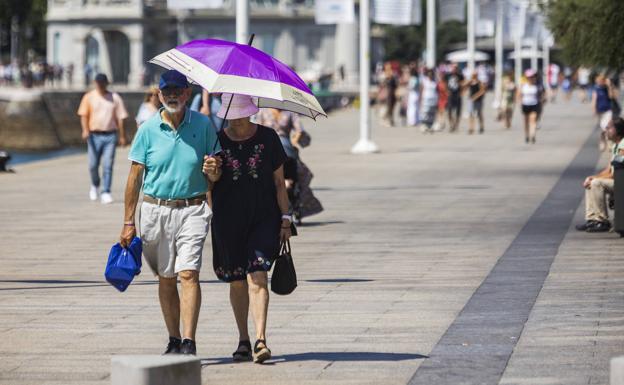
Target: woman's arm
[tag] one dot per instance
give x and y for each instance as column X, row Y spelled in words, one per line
column 282, row 201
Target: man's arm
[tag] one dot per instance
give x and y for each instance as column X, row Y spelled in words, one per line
column 205, row 108
column 84, row 123
column 123, row 141
column 131, row 198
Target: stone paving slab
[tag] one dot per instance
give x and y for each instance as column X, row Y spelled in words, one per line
column 406, row 238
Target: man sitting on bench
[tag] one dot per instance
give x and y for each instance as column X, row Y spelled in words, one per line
column 598, row 186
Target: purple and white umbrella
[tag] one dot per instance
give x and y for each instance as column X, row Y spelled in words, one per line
column 221, row 66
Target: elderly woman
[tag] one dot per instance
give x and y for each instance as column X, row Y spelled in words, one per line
column 149, row 107
column 250, row 218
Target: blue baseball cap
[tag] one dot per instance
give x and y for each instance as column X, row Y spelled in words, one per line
column 173, row 78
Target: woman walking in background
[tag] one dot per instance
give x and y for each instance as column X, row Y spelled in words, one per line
column 528, row 96
column 508, row 96
column 149, row 107
column 428, row 101
column 477, row 93
column 413, row 96
column 443, row 95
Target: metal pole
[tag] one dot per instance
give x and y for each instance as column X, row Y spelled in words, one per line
column 498, row 79
column 518, row 43
column 534, row 55
column 471, row 36
column 431, row 33
column 365, row 145
column 242, row 21
column 14, row 39
column 546, row 62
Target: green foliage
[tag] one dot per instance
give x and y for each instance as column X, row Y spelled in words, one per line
column 404, row 44
column 590, row 32
column 31, row 19
column 407, row 43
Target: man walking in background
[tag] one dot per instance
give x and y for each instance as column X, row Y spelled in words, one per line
column 102, row 115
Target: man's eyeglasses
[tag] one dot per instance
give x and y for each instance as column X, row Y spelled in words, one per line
column 172, row 91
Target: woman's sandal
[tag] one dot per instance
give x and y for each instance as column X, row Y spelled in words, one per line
column 261, row 354
column 243, row 352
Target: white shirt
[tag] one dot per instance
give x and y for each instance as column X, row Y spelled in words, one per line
column 529, row 94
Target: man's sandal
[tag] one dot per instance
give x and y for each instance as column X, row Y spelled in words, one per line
column 261, row 354
column 243, row 352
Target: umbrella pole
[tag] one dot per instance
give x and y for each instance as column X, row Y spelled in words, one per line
column 251, row 39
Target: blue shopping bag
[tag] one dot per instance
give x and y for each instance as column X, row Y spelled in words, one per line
column 123, row 264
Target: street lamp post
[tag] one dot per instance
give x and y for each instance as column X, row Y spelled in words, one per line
column 518, row 43
column 498, row 79
column 364, row 145
column 471, row 36
column 242, row 21
column 431, row 33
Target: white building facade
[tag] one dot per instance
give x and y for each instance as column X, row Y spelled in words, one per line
column 118, row 37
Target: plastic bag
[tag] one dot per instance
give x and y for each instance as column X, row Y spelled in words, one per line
column 123, row 264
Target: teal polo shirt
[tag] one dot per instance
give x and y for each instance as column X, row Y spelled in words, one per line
column 173, row 158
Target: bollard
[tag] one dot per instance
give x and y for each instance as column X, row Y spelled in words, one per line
column 617, row 371
column 155, row 370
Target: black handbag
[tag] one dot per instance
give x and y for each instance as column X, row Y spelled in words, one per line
column 284, row 278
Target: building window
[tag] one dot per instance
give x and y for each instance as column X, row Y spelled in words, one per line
column 56, row 48
column 268, row 44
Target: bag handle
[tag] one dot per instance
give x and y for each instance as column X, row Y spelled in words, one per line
column 285, row 248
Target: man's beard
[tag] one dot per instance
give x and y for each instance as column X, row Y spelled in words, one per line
column 171, row 109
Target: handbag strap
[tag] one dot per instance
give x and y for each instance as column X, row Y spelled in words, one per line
column 285, row 248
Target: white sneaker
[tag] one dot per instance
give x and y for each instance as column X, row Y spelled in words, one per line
column 106, row 198
column 93, row 193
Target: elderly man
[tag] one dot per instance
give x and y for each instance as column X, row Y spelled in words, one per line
column 169, row 149
column 102, row 115
column 599, row 185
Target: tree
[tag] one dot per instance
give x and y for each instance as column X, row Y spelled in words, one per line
column 30, row 16
column 590, row 32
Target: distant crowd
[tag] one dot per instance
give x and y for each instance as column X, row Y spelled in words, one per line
column 436, row 98
column 35, row 74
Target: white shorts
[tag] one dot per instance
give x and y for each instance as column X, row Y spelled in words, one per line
column 173, row 238
column 604, row 118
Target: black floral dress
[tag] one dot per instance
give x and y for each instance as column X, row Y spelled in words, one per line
column 246, row 216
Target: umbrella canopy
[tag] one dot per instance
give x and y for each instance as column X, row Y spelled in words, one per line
column 461, row 56
column 221, row 66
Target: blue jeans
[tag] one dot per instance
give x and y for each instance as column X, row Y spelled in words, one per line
column 101, row 147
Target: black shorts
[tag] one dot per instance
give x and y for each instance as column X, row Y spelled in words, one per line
column 528, row 109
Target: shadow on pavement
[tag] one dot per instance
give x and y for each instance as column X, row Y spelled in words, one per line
column 326, row 356
column 315, row 224
column 69, row 284
column 339, row 280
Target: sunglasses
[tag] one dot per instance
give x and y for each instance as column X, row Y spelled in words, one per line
column 172, row 91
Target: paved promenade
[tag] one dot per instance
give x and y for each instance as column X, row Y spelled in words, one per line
column 444, row 259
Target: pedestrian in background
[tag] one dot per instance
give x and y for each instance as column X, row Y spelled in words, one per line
column 443, row 95
column 508, row 96
column 149, row 107
column 390, row 84
column 102, row 115
column 428, row 101
column 529, row 96
column 413, row 96
column 455, row 84
column 476, row 90
column 601, row 104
